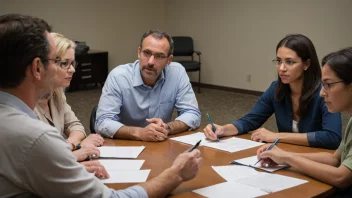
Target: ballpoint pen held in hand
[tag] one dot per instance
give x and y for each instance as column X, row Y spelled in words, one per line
column 212, row 125
column 271, row 146
column 195, row 146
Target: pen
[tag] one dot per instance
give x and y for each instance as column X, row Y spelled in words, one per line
column 195, row 146
column 270, row 147
column 90, row 157
column 212, row 125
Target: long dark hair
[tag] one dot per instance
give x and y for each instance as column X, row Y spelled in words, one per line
column 304, row 48
column 341, row 63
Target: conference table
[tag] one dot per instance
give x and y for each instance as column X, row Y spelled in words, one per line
column 160, row 155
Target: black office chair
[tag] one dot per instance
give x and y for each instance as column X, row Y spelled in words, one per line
column 184, row 47
column 92, row 119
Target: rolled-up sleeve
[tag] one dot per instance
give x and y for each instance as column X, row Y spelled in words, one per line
column 186, row 103
column 108, row 111
column 330, row 135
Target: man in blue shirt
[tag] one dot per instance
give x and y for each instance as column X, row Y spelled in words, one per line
column 138, row 98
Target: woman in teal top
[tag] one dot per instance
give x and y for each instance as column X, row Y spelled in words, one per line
column 337, row 93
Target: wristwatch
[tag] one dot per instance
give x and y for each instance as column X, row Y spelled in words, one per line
column 78, row 146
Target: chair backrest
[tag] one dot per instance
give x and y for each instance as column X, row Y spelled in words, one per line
column 92, row 119
column 183, row 45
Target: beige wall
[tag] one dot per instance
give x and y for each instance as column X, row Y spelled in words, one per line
column 238, row 37
column 112, row 25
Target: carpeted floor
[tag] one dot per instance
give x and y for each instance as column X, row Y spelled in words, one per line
column 223, row 106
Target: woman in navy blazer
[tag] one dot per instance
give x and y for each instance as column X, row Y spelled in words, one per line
column 301, row 115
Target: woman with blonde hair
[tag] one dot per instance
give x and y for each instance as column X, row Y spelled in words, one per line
column 55, row 111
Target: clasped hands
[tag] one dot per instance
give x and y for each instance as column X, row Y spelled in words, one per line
column 157, row 130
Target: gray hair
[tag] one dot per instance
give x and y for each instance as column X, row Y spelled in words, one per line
column 159, row 35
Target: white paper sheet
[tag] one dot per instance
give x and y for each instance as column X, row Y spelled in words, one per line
column 230, row 145
column 191, row 139
column 127, row 176
column 230, row 190
column 117, row 164
column 271, row 182
column 233, row 144
column 267, row 182
column 250, row 161
column 120, row 151
column 232, row 173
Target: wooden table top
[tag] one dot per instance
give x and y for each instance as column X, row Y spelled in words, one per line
column 159, row 155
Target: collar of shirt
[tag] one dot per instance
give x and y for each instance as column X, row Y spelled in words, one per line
column 14, row 102
column 137, row 77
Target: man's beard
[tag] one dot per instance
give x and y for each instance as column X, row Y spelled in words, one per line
column 148, row 75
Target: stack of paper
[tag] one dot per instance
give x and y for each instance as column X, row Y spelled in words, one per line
column 126, row 176
column 231, row 145
column 250, row 161
column 117, row 164
column 120, row 151
column 123, row 171
column 251, row 182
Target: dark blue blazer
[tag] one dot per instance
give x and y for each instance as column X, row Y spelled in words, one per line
column 323, row 128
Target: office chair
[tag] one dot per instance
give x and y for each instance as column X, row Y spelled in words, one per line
column 184, row 47
column 92, row 119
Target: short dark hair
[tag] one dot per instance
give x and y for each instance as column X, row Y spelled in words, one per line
column 22, row 38
column 304, row 49
column 341, row 63
column 159, row 35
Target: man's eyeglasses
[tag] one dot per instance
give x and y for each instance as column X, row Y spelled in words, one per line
column 157, row 57
column 287, row 63
column 67, row 64
column 56, row 60
column 327, row 86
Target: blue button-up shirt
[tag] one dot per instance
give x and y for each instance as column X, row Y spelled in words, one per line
column 322, row 127
column 126, row 100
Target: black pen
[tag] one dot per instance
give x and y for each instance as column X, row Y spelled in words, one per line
column 90, row 157
column 195, row 146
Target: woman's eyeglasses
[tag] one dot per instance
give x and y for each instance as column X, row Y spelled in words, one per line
column 327, row 86
column 287, row 63
column 67, row 64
